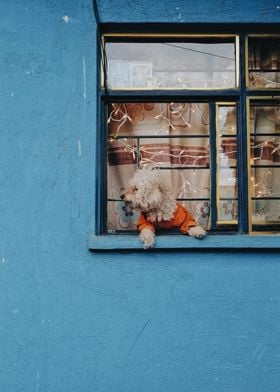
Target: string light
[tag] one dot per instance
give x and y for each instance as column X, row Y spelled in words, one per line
column 120, row 114
column 263, row 187
column 261, row 146
column 182, row 155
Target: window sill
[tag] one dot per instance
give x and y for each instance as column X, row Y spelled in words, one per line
column 215, row 241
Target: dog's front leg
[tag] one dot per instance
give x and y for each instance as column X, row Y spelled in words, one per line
column 197, row 232
column 147, row 236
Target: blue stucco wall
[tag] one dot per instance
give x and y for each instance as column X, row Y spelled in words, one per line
column 191, row 11
column 72, row 320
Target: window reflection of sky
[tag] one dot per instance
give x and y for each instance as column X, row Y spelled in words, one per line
column 171, row 64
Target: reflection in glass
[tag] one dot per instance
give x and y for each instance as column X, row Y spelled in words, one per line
column 266, row 211
column 226, row 164
column 264, row 62
column 196, row 63
column 265, row 162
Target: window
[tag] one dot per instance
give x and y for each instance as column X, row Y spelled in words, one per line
column 177, row 63
column 205, row 109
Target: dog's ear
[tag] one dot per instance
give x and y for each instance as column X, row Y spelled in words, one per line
column 161, row 188
column 148, row 195
column 155, row 196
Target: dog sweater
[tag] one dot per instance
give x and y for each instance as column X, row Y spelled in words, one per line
column 182, row 219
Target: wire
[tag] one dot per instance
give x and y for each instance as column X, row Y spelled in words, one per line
column 199, row 51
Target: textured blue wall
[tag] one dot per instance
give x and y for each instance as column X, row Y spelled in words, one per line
column 190, row 11
column 71, row 320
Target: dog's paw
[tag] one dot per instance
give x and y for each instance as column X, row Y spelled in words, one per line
column 147, row 236
column 197, row 232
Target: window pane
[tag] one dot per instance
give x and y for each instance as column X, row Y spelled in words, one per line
column 158, row 119
column 176, row 64
column 227, row 191
column 265, row 212
column 264, row 62
column 171, row 136
column 177, row 152
column 265, row 163
column 121, row 217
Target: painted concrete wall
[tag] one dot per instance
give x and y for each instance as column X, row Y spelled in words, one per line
column 190, row 11
column 71, row 320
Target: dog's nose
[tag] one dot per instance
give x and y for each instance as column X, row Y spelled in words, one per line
column 122, row 193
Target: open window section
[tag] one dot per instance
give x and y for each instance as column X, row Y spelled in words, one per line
column 226, row 176
column 264, row 139
column 175, row 138
column 183, row 62
column 264, row 62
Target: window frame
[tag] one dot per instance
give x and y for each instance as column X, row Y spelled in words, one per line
column 244, row 237
column 119, row 37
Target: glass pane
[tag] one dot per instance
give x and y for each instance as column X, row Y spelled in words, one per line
column 176, row 152
column 122, row 151
column 227, row 190
column 122, row 163
column 265, row 182
column 192, row 189
column 121, row 217
column 158, row 120
column 265, row 162
column 264, row 62
column 228, row 211
column 265, row 212
column 190, row 184
column 176, row 64
column 171, row 136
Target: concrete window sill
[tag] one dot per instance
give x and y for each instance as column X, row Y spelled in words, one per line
column 216, row 241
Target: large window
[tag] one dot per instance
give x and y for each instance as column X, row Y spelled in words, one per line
column 204, row 109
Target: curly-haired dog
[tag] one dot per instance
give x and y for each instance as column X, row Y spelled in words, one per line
column 149, row 192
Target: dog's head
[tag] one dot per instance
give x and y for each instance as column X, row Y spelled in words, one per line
column 146, row 190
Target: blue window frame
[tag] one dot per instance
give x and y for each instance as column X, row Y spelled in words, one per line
column 136, row 78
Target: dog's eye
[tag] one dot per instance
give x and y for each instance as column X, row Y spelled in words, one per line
column 135, row 189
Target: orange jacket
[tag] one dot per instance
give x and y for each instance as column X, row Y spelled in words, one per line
column 182, row 219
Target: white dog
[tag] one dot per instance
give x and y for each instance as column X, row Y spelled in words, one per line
column 149, row 192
